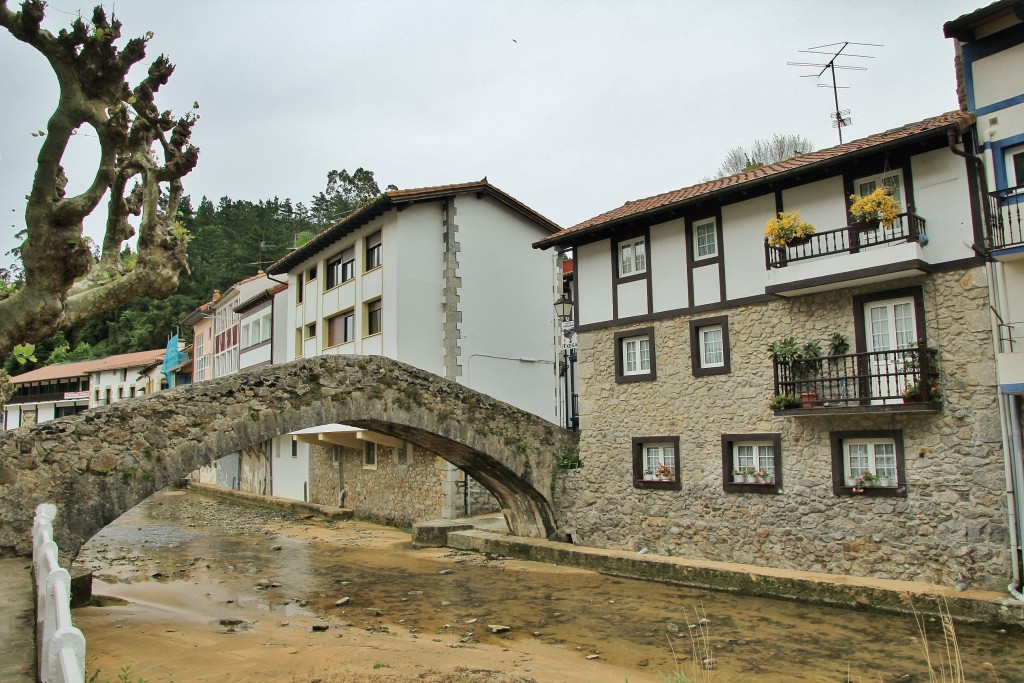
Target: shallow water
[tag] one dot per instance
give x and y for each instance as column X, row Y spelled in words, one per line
column 179, row 550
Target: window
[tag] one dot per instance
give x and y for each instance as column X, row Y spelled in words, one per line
column 199, row 345
column 745, row 456
column 373, row 251
column 131, row 392
column 633, row 257
column 711, row 350
column 890, row 180
column 656, row 462
column 890, row 328
column 311, row 274
column 1014, row 159
column 341, row 268
column 634, row 356
column 868, row 463
column 266, row 325
column 299, row 288
column 374, row 318
column 709, row 346
column 705, row 239
column 295, row 448
column 369, row 456
column 341, row 328
column 310, row 331
column 245, row 336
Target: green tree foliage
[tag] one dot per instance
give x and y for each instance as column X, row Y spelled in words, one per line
column 229, row 241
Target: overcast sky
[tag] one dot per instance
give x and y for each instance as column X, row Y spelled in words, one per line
column 572, row 107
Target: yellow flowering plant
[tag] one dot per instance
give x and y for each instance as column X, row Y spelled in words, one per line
column 877, row 206
column 786, row 228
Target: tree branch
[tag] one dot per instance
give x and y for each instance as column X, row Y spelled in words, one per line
column 63, row 283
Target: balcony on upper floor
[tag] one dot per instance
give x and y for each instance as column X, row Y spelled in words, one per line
column 899, row 380
column 1004, row 229
column 845, row 257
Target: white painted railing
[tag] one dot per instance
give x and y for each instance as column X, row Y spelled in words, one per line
column 61, row 645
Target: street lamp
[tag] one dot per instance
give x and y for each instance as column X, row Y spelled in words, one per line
column 563, row 307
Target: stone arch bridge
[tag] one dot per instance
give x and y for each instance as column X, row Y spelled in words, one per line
column 98, row 464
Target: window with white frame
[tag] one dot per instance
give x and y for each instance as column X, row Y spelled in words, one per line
column 266, row 327
column 705, row 239
column 870, row 456
column 245, row 336
column 868, row 462
column 709, row 346
column 712, row 349
column 634, row 355
column 656, row 462
column 633, row 257
column 341, row 328
column 369, row 455
column 890, row 180
column 758, row 456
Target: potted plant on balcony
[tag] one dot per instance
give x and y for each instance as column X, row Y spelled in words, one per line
column 807, row 368
column 784, row 402
column 788, row 230
column 663, row 472
column 914, row 394
column 878, row 207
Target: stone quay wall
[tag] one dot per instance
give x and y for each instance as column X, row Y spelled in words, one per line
column 950, row 528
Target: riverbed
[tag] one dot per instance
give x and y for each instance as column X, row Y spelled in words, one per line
column 200, row 589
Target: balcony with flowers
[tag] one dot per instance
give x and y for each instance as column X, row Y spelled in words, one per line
column 879, row 243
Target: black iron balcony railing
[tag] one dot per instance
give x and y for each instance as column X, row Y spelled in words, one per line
column 1005, row 215
column 850, row 239
column 856, row 379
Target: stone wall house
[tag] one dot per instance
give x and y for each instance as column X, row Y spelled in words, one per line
column 990, row 58
column 677, row 300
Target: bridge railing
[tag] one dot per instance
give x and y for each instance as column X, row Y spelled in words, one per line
column 61, row 646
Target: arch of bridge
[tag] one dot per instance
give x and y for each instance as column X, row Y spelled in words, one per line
column 98, row 464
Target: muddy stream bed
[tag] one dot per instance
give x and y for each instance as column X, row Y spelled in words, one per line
column 195, row 589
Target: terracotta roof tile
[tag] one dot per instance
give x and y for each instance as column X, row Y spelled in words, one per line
column 62, row 370
column 961, row 120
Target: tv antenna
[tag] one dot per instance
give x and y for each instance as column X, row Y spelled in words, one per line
column 259, row 258
column 840, row 117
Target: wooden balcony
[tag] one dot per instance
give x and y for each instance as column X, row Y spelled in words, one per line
column 877, row 382
column 1004, row 229
column 846, row 257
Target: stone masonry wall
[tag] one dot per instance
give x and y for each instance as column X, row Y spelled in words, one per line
column 951, row 526
column 400, row 491
column 323, row 475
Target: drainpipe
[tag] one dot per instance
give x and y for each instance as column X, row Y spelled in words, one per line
column 1009, row 421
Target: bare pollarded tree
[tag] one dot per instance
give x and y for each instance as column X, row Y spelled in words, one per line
column 144, row 154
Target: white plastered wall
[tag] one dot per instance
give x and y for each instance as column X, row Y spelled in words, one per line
column 416, row 313
column 822, row 204
column 593, row 273
column 998, row 77
column 507, row 344
column 743, row 226
column 289, row 476
column 942, row 198
column 667, row 253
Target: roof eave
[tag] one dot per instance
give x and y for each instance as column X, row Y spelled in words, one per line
column 573, row 237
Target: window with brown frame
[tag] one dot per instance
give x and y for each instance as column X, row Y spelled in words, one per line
column 656, row 462
column 634, row 356
column 709, row 346
column 752, row 463
column 868, row 463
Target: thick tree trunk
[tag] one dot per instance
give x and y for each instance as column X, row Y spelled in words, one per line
column 63, row 283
